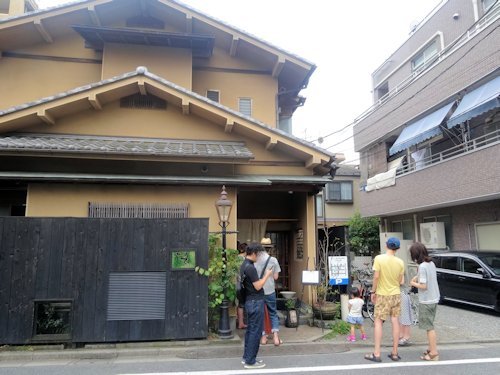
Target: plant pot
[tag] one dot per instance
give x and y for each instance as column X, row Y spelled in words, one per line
column 325, row 310
column 291, row 319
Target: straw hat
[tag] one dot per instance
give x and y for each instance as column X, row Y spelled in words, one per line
column 265, row 241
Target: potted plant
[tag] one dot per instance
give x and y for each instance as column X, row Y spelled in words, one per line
column 324, row 308
column 291, row 320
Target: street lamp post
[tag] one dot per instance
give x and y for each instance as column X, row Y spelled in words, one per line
column 223, row 206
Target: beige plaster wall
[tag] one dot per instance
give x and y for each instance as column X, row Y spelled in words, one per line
column 22, row 81
column 173, row 64
column 260, row 88
column 71, row 200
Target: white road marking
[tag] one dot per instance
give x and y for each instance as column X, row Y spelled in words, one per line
column 290, row 370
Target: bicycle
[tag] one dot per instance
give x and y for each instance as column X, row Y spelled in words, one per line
column 368, row 307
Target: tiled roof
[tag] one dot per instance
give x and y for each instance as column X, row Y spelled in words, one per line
column 143, row 71
column 54, row 143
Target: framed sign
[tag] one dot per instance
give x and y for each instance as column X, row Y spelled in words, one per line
column 338, row 270
column 310, row 277
column 183, row 259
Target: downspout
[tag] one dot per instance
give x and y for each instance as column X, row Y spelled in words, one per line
column 476, row 10
column 415, row 226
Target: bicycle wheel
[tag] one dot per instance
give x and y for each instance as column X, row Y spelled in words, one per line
column 370, row 310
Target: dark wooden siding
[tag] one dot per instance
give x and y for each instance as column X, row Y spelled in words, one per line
column 71, row 259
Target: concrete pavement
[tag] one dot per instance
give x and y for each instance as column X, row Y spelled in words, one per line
column 453, row 325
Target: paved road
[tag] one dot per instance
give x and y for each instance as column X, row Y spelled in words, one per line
column 455, row 360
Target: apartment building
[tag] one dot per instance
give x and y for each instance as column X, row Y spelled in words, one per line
column 430, row 144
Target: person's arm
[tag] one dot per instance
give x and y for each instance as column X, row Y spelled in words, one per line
column 259, row 284
column 402, row 281
column 376, row 276
column 420, row 282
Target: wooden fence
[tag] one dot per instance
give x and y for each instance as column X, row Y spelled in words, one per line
column 102, row 280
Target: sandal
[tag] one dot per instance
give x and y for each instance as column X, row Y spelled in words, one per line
column 394, row 357
column 426, row 352
column 430, row 357
column 372, row 357
column 263, row 340
column 277, row 342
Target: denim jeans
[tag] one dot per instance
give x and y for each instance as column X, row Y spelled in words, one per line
column 270, row 300
column 255, row 320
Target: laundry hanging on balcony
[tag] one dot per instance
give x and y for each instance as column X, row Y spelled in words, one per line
column 481, row 100
column 420, row 130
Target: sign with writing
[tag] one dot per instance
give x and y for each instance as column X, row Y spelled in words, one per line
column 183, row 259
column 338, row 270
column 310, row 277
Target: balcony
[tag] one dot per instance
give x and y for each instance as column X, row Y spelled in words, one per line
column 453, row 152
column 465, row 173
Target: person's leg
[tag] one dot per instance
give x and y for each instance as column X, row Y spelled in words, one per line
column 353, row 331
column 395, row 334
column 431, row 337
column 377, row 336
column 255, row 315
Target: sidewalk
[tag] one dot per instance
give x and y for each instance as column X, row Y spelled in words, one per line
column 453, row 326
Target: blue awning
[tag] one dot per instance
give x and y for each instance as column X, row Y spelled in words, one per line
column 420, row 130
column 476, row 102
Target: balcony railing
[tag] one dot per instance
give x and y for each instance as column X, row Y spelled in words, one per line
column 490, row 17
column 473, row 145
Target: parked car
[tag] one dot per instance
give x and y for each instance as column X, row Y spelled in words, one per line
column 470, row 277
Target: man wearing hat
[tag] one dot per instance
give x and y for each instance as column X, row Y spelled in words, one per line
column 387, row 278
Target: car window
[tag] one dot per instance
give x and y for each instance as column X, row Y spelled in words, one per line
column 469, row 265
column 449, row 263
column 493, row 261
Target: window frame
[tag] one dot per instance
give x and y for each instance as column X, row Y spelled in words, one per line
column 422, row 55
column 250, row 103
column 330, row 199
column 213, row 91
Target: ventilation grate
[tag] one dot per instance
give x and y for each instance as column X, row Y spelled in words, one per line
column 143, row 102
column 137, row 295
column 140, row 211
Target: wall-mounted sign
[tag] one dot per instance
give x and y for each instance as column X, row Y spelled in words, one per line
column 183, row 259
column 338, row 270
column 299, row 244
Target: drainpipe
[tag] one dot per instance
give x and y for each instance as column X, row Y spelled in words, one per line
column 475, row 8
column 415, row 226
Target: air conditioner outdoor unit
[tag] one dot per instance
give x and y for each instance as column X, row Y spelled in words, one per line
column 432, row 235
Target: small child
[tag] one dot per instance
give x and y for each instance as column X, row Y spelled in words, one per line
column 355, row 318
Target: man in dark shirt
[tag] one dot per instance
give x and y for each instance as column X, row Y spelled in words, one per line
column 254, row 306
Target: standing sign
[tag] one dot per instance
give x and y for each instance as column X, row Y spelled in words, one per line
column 338, row 270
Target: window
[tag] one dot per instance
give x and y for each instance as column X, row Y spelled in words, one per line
column 487, row 4
column 245, row 106
column 53, row 319
column 339, row 191
column 449, row 263
column 382, row 90
column 470, row 266
column 424, row 56
column 139, row 210
column 319, row 205
column 213, row 95
column 405, row 227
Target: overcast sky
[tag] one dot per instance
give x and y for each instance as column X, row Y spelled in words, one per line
column 347, row 40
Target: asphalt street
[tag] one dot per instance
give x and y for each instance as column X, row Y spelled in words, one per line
column 468, row 341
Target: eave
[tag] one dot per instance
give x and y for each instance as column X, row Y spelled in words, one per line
column 94, row 96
